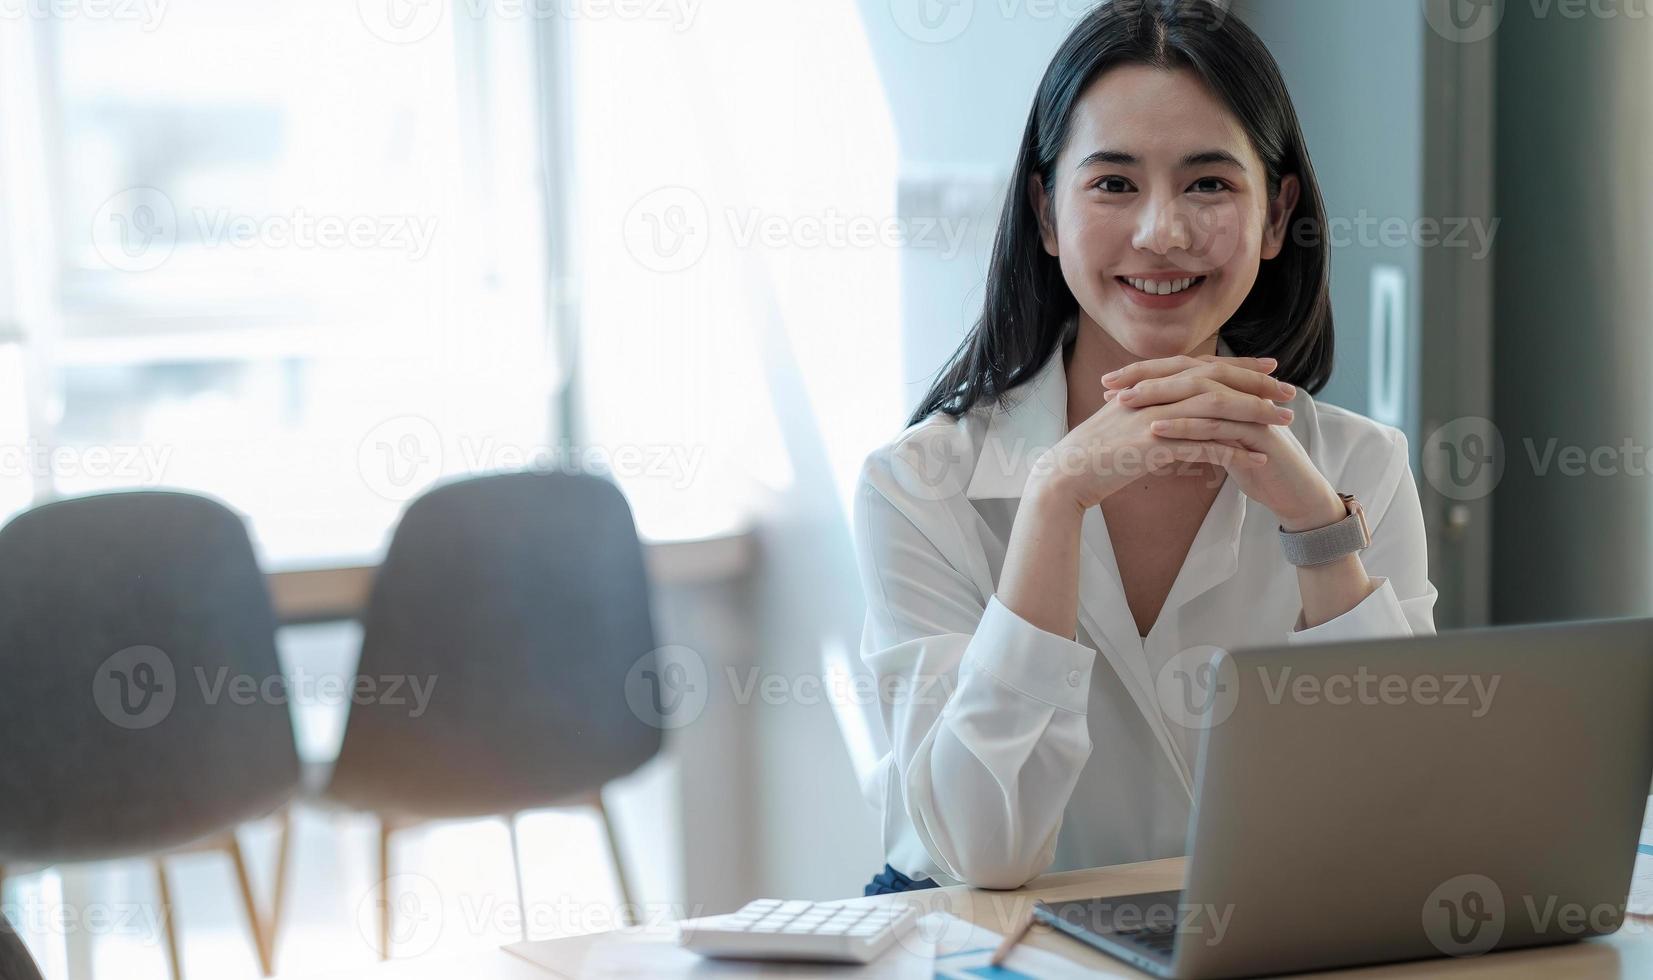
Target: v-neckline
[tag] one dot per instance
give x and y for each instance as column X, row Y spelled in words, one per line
column 1196, row 544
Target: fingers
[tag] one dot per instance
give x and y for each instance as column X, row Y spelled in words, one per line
column 1206, row 398
column 1245, row 434
column 1164, row 391
column 1168, row 451
column 1156, row 391
column 1161, row 367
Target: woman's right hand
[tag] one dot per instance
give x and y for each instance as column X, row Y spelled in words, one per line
column 1116, row 445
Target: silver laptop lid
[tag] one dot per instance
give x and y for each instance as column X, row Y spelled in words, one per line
column 1399, row 799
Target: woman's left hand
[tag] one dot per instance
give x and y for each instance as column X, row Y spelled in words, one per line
column 1288, row 484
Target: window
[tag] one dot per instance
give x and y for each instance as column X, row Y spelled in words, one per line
column 309, row 288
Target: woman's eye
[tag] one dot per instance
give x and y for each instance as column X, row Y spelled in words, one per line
column 1113, row 185
column 1209, row 185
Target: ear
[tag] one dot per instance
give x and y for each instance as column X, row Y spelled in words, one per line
column 1041, row 209
column 1279, row 216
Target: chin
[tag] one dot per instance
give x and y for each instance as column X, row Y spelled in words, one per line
column 1148, row 341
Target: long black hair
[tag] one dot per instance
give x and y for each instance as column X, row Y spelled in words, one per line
column 1287, row 314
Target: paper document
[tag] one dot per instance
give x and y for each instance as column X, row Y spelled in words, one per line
column 1641, row 880
column 962, row 951
column 940, row 947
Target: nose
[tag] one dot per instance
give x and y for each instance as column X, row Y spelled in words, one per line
column 1162, row 226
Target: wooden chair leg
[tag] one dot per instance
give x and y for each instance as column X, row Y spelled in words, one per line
column 279, row 899
column 626, row 907
column 255, row 922
column 516, row 869
column 169, row 919
column 385, row 898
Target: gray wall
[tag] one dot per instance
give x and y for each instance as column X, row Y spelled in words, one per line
column 1355, row 71
column 1573, row 295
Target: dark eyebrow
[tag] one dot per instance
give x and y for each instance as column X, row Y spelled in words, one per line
column 1203, row 158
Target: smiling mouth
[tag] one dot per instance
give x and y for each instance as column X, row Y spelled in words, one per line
column 1161, row 287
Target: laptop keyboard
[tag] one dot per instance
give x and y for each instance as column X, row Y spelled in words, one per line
column 1156, row 939
column 1147, row 922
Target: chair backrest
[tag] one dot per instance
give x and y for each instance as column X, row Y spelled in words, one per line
column 141, row 703
column 15, row 961
column 502, row 627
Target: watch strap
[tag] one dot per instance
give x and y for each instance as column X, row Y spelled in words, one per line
column 1324, row 544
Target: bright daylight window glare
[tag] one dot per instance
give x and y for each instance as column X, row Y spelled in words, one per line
column 310, row 289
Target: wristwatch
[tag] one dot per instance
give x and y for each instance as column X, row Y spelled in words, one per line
column 1323, row 544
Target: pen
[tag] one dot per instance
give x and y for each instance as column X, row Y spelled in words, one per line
column 1011, row 940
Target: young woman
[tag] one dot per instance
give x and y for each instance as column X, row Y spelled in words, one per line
column 1122, row 466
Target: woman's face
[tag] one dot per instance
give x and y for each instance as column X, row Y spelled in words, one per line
column 1157, row 189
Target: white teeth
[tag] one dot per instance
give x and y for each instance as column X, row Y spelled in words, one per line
column 1162, row 288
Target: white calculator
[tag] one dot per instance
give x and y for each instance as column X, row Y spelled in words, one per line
column 771, row 929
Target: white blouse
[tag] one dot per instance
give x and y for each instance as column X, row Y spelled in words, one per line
column 1015, row 751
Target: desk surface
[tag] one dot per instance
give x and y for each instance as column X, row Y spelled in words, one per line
column 1627, row 953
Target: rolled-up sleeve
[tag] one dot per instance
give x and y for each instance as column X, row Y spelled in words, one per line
column 985, row 712
column 1402, row 600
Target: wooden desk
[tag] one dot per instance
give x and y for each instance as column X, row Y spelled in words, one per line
column 340, row 592
column 1626, row 954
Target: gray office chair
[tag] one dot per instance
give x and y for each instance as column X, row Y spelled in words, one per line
column 523, row 596
column 119, row 614
column 15, row 961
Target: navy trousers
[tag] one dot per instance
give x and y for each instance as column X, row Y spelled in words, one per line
column 890, row 881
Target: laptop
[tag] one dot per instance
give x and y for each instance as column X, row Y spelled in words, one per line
column 1385, row 800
